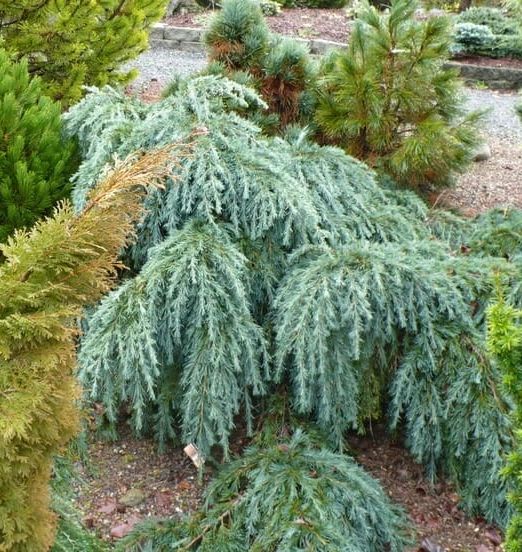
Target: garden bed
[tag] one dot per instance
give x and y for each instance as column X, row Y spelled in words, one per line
column 299, row 22
column 166, row 485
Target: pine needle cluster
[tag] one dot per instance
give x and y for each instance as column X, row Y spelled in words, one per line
column 388, row 100
column 49, row 274
column 71, row 43
column 240, row 46
column 35, row 160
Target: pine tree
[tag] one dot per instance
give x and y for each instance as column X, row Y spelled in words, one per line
column 239, row 43
column 71, row 43
column 49, row 274
column 35, row 160
column 278, row 264
column 388, row 100
column 290, row 496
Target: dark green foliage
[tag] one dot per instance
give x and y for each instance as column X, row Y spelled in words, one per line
column 35, row 160
column 281, row 69
column 388, row 100
column 273, row 263
column 505, row 341
column 71, row 43
column 288, row 496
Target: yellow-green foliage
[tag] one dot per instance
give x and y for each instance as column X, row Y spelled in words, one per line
column 505, row 342
column 49, row 274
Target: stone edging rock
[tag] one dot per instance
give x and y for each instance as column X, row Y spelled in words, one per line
column 499, row 78
column 189, row 39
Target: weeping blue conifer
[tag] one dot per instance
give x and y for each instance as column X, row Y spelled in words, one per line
column 271, row 260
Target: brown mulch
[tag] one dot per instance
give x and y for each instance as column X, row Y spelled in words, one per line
column 433, row 509
column 299, row 22
column 168, row 485
column 490, row 62
column 496, row 182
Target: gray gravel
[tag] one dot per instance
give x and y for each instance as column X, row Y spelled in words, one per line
column 162, row 64
column 501, row 121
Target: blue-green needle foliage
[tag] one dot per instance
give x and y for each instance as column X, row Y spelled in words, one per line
column 268, row 261
column 288, row 497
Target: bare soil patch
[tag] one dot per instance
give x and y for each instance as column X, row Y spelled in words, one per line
column 128, row 481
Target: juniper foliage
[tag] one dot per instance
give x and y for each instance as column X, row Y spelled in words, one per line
column 275, row 261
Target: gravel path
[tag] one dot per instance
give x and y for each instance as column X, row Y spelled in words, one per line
column 161, row 64
column 501, row 120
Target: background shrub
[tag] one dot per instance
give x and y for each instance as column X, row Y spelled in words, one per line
column 495, row 19
column 472, row 39
column 241, row 47
column 506, row 39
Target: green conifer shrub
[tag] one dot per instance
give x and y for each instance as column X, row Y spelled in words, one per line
column 281, row 69
column 35, row 160
column 388, row 101
column 291, row 495
column 279, row 262
column 49, row 274
column 71, row 43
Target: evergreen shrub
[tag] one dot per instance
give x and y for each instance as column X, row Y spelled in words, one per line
column 49, row 274
column 505, row 342
column 495, row 19
column 506, row 39
column 71, row 43
column 293, row 495
column 35, row 160
column 275, row 265
column 472, row 39
column 388, row 100
column 281, row 69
